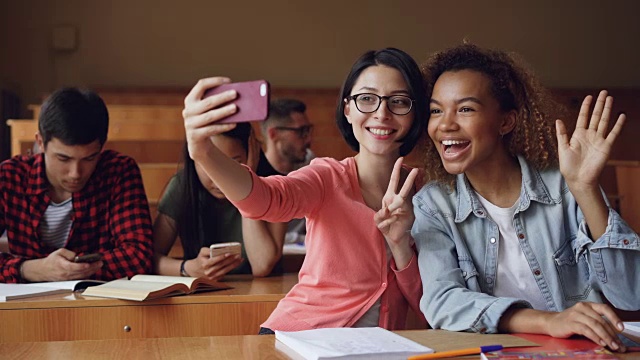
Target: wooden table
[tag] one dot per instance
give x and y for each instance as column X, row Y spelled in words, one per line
column 237, row 311
column 250, row 346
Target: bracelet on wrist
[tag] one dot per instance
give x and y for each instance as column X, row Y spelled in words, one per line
column 183, row 272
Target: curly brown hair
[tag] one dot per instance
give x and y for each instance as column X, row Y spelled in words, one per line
column 515, row 87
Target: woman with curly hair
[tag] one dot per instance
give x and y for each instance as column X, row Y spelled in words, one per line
column 513, row 232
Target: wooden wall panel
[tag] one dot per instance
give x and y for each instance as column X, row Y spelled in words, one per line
column 628, row 181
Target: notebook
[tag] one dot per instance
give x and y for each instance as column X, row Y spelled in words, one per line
column 347, row 343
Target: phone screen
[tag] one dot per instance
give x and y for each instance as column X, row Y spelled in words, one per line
column 225, row 248
column 252, row 100
column 88, row 258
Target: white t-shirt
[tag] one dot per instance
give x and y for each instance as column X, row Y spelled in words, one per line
column 514, row 278
column 55, row 224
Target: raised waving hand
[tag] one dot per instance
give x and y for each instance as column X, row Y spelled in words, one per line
column 584, row 155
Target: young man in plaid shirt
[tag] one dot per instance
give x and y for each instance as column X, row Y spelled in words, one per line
column 72, row 199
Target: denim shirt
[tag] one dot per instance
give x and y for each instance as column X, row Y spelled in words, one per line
column 458, row 252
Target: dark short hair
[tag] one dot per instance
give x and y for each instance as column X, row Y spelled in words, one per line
column 410, row 71
column 280, row 111
column 74, row 116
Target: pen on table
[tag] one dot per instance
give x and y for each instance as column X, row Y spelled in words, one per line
column 452, row 353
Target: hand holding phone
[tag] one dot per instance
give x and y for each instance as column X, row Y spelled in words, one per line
column 252, row 101
column 87, row 258
column 234, row 248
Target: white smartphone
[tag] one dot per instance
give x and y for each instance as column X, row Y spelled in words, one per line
column 225, row 248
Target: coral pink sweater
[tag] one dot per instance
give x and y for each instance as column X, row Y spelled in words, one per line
column 346, row 269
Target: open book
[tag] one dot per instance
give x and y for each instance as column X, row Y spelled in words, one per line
column 351, row 343
column 21, row 291
column 145, row 287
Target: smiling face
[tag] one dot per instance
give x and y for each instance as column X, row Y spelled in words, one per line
column 466, row 123
column 378, row 132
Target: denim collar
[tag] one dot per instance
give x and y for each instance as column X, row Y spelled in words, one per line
column 533, row 189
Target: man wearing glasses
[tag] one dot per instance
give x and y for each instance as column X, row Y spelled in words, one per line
column 286, row 137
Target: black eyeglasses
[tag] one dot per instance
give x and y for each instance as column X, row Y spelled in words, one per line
column 368, row 103
column 302, row 131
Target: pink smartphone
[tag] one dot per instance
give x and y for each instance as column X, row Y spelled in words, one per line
column 252, row 100
column 234, row 248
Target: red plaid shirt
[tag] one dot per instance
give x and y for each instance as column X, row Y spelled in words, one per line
column 110, row 216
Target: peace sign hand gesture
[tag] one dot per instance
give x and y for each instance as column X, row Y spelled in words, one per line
column 583, row 157
column 395, row 218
